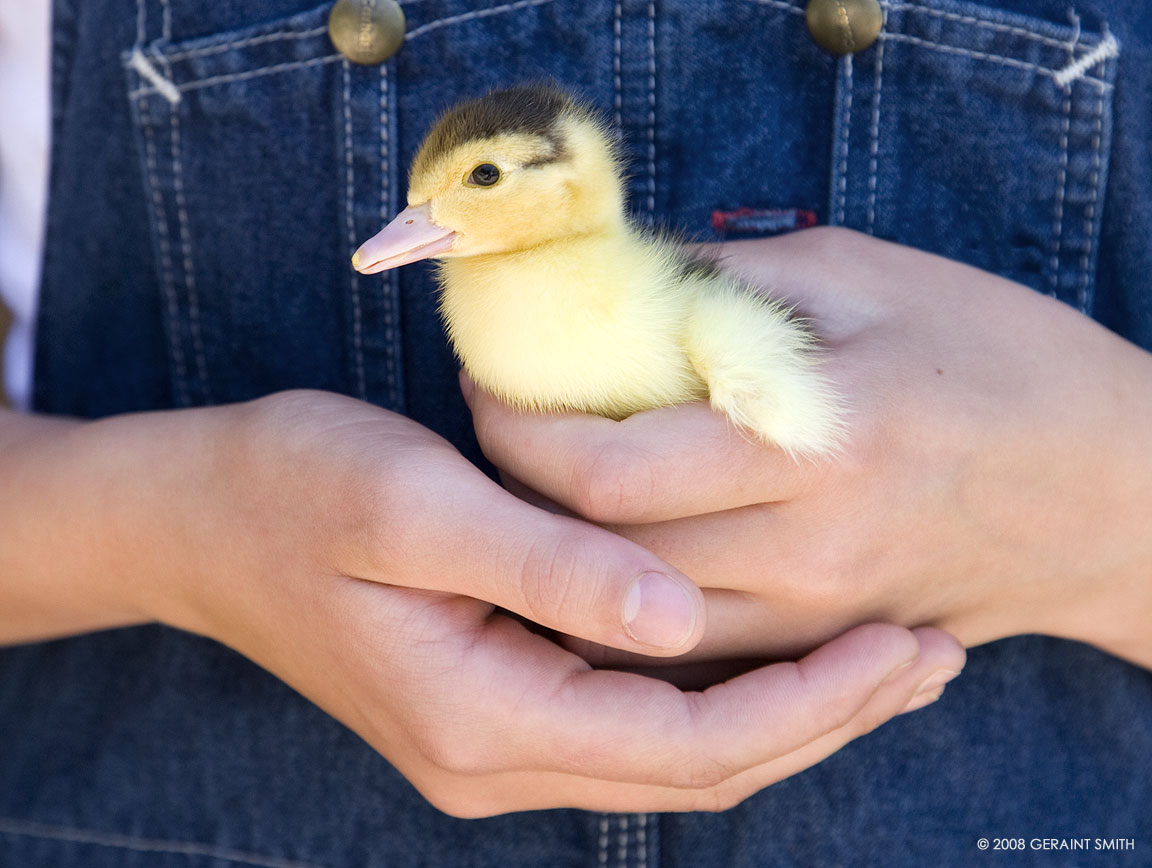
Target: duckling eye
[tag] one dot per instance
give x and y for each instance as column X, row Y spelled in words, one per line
column 484, row 175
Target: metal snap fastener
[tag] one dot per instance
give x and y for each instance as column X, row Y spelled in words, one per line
column 367, row 31
column 844, row 26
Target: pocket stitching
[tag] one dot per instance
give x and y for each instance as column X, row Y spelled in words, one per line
column 354, row 279
column 167, row 272
column 874, row 145
column 248, row 41
column 841, row 210
column 780, row 4
column 241, row 76
column 186, row 245
column 475, row 13
column 1090, row 210
column 979, row 22
column 995, row 58
column 196, row 84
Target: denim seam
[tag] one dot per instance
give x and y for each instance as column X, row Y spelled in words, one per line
column 617, row 75
column 385, row 178
column 874, row 147
column 247, row 42
column 349, row 194
column 186, row 247
column 602, row 843
column 317, row 31
column 166, row 20
column 642, row 842
column 477, row 13
column 389, row 284
column 622, row 842
column 393, row 364
column 1062, row 174
column 167, row 276
column 70, row 834
column 652, row 109
column 247, row 74
column 285, row 67
column 995, row 58
column 1090, row 211
column 1106, row 49
column 979, row 22
column 845, row 142
column 151, row 74
column 1062, row 181
column 780, row 4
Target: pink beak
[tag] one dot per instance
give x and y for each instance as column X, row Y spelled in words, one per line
column 410, row 237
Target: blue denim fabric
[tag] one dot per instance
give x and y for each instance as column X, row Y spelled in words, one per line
column 198, row 253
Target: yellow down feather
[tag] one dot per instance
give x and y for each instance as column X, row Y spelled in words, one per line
column 553, row 300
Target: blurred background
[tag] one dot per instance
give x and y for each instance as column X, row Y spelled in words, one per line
column 5, row 321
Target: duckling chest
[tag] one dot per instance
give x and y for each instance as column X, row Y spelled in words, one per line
column 585, row 336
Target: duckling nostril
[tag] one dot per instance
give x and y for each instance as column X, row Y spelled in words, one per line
column 409, row 222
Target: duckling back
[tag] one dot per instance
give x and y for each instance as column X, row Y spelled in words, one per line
column 762, row 368
column 592, row 323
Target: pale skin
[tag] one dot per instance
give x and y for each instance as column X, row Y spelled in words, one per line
column 351, row 552
column 996, row 482
column 358, row 557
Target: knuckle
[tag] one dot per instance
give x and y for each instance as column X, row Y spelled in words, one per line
column 718, row 799
column 830, row 573
column 703, row 775
column 553, row 579
column 613, row 483
column 458, row 756
column 840, row 708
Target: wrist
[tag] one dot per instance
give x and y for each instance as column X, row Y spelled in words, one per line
column 94, row 522
column 1112, row 604
column 54, row 519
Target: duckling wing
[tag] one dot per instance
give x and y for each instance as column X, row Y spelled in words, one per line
column 762, row 368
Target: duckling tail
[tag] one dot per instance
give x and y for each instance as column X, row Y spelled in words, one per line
column 762, row 367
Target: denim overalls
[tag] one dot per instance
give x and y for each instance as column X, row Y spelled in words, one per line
column 198, row 244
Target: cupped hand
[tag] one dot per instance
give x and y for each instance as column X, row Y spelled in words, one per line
column 361, row 559
column 995, row 481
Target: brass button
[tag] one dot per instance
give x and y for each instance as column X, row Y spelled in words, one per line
column 367, row 31
column 844, row 26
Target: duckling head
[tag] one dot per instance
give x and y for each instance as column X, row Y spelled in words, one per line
column 507, row 172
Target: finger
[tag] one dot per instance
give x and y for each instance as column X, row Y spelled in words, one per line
column 622, row 727
column 538, row 790
column 941, row 658
column 559, row 572
column 653, row 466
column 531, row 496
column 740, row 627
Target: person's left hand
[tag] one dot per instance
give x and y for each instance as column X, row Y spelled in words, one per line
column 996, row 481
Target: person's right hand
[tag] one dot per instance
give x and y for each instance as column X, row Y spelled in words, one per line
column 360, row 558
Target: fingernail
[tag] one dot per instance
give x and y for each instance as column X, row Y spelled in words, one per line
column 898, row 671
column 922, row 699
column 936, row 680
column 658, row 611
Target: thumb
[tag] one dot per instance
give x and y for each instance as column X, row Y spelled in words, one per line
column 565, row 574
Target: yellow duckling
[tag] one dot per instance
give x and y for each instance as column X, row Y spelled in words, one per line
column 553, row 300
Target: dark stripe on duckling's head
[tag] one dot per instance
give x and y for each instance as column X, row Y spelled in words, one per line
column 533, row 110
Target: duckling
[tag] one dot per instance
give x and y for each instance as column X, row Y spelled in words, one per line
column 553, row 300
